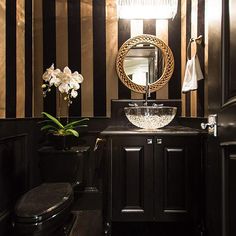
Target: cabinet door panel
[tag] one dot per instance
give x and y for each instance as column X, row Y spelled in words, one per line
column 132, row 183
column 177, row 178
column 229, row 189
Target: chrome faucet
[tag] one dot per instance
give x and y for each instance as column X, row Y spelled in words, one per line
column 147, row 94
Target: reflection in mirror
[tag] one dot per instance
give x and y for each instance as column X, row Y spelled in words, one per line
column 144, row 62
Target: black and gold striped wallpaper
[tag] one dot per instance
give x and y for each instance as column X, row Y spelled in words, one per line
column 86, row 36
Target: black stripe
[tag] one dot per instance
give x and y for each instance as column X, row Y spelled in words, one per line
column 149, row 27
column 123, row 35
column 10, row 58
column 201, row 56
column 99, row 57
column 174, row 41
column 74, row 49
column 49, row 49
column 28, row 58
column 188, row 36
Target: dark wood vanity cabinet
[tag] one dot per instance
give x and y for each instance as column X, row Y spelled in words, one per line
column 177, row 178
column 132, row 178
column 153, row 176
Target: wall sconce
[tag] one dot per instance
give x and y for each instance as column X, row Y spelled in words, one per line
column 147, row 9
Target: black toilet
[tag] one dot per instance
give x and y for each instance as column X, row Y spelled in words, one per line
column 44, row 211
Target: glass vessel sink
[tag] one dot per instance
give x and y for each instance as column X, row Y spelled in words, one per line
column 150, row 117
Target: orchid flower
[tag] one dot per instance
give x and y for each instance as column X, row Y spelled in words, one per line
column 50, row 73
column 67, row 82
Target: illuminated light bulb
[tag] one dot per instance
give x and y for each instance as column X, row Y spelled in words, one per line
column 147, row 9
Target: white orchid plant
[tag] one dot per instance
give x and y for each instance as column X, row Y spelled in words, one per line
column 67, row 82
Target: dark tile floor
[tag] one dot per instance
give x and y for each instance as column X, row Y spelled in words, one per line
column 89, row 223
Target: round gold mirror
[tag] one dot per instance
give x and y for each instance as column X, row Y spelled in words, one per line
column 142, row 60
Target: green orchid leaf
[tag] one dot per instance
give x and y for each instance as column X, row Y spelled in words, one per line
column 79, row 126
column 55, row 120
column 74, row 123
column 51, row 131
column 46, row 127
column 45, row 121
column 73, row 132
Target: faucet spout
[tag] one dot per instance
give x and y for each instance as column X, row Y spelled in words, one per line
column 147, row 94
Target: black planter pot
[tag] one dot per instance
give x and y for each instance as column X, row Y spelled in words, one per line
column 63, row 142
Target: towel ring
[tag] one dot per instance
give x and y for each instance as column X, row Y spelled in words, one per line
column 197, row 40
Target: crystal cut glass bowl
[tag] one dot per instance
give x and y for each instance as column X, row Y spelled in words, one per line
column 150, row 117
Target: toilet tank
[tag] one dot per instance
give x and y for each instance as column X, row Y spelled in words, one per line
column 63, row 165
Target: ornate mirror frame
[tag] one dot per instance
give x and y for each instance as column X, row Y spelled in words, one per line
column 167, row 56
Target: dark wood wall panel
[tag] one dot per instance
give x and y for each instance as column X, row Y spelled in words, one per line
column 13, row 176
column 228, row 190
column 231, row 17
column 19, row 171
column 232, row 194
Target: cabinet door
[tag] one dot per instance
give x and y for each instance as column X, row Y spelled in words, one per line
column 177, row 178
column 132, row 178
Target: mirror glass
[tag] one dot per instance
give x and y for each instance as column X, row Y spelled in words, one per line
column 144, row 60
column 144, row 63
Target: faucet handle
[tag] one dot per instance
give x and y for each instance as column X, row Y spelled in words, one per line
column 133, row 104
column 157, row 105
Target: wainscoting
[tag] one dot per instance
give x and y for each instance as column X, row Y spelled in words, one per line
column 89, row 223
column 19, row 141
column 13, row 176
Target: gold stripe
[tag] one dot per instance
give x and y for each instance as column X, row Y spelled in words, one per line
column 3, row 58
column 38, row 57
column 162, row 33
column 20, row 59
column 193, row 48
column 136, row 28
column 111, row 52
column 61, row 49
column 87, row 58
column 183, row 50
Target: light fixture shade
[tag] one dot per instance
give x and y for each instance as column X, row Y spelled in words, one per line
column 147, row 9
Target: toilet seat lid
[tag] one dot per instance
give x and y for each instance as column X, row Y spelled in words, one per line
column 43, row 202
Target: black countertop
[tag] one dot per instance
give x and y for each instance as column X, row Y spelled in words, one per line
column 168, row 130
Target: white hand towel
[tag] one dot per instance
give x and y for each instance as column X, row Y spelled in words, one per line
column 193, row 73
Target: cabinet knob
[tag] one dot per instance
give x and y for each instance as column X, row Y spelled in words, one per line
column 159, row 141
column 149, row 140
